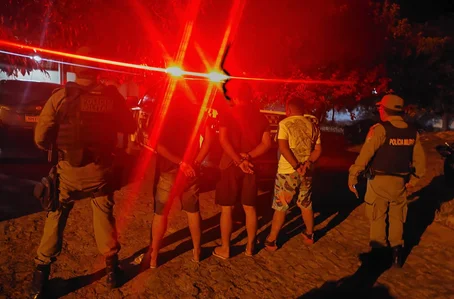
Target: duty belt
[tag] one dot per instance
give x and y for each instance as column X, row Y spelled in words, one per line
column 402, row 175
column 78, row 195
column 87, row 158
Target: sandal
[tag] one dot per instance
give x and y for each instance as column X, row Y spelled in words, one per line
column 270, row 245
column 308, row 239
column 218, row 255
column 247, row 253
column 193, row 259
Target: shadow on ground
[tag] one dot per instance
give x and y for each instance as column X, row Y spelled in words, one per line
column 16, row 196
column 331, row 199
column 422, row 208
column 61, row 287
column 362, row 284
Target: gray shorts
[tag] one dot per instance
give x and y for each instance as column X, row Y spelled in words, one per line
column 186, row 189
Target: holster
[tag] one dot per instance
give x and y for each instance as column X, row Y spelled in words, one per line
column 47, row 191
column 367, row 174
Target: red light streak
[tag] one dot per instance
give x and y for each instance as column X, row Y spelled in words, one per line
column 214, row 76
column 83, row 57
column 295, row 81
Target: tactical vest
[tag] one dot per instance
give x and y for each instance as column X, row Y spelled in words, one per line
column 86, row 130
column 395, row 156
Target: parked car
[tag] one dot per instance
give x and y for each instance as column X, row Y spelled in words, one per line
column 21, row 103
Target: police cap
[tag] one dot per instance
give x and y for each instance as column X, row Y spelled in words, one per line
column 391, row 102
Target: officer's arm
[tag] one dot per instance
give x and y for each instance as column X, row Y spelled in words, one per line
column 46, row 128
column 375, row 138
column 419, row 162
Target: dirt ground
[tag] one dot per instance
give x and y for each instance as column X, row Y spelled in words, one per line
column 329, row 268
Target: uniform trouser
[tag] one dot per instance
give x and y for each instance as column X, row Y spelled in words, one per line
column 104, row 227
column 386, row 200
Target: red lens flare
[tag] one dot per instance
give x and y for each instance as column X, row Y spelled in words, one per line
column 215, row 76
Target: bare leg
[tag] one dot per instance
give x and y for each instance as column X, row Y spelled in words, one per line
column 159, row 227
column 308, row 218
column 276, row 225
column 194, row 221
column 251, row 228
column 226, row 232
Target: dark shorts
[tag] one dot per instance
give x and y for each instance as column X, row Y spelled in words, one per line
column 235, row 184
column 187, row 191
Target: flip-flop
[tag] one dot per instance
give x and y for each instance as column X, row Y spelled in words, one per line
column 153, row 266
column 193, row 259
column 248, row 254
column 270, row 245
column 218, row 255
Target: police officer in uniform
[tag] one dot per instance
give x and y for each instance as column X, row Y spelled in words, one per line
column 394, row 160
column 82, row 121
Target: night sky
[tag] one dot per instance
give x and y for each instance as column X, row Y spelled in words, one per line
column 424, row 10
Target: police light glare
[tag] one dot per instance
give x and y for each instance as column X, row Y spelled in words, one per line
column 217, row 77
column 175, row 71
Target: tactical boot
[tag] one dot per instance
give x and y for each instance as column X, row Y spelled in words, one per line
column 376, row 258
column 397, row 256
column 112, row 271
column 40, row 279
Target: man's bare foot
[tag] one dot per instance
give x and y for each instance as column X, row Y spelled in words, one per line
column 221, row 252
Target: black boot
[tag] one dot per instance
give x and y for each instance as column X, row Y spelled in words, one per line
column 112, row 272
column 397, row 256
column 40, row 279
column 377, row 258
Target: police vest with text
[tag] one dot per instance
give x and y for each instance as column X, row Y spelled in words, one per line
column 395, row 156
column 86, row 131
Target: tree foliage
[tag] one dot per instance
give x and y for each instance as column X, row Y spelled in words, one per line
column 414, row 61
column 371, row 46
column 418, row 58
column 117, row 29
